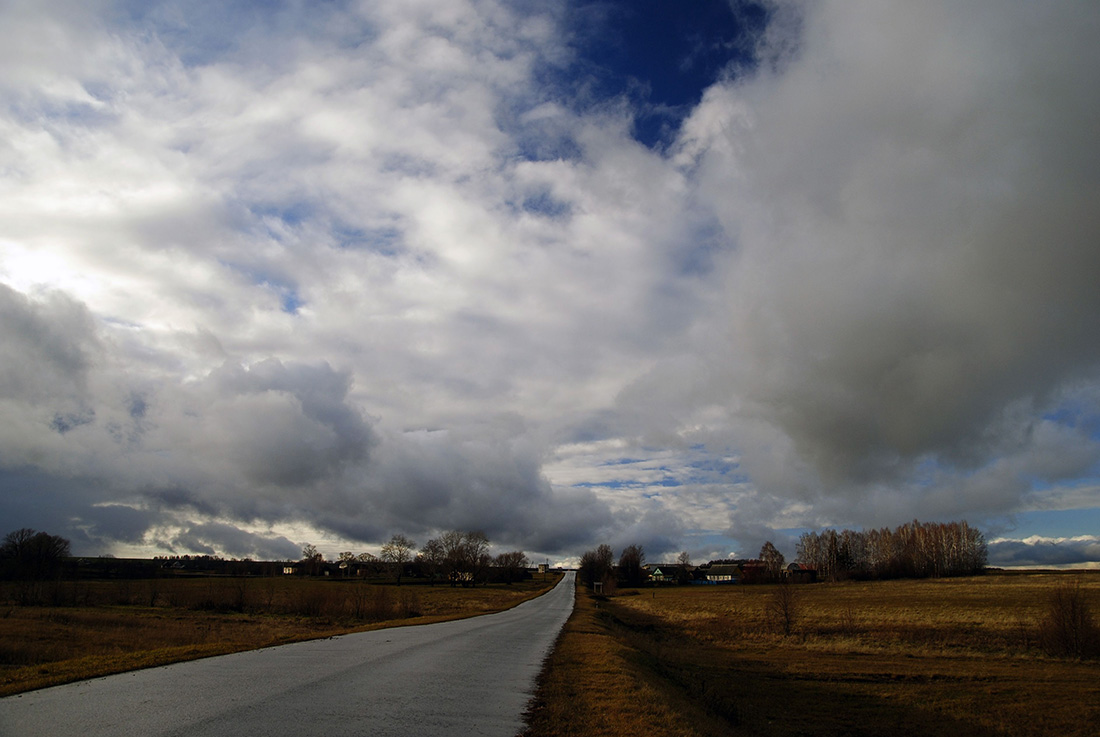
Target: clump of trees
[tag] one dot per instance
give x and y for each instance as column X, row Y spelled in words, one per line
column 462, row 558
column 511, row 567
column 598, row 565
column 912, row 550
column 35, row 560
column 30, row 555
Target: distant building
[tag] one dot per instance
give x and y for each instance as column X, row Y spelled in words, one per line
column 724, row 573
column 801, row 573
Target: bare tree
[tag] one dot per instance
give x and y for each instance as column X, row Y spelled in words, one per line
column 773, row 561
column 312, row 559
column 631, row 563
column 29, row 554
column 466, row 556
column 1068, row 629
column 511, row 565
column 345, row 560
column 397, row 552
column 596, row 564
column 432, row 557
column 782, row 608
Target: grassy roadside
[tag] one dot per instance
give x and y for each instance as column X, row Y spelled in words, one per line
column 956, row 657
column 597, row 681
column 47, row 646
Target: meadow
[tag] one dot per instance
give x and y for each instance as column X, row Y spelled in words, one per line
column 112, row 626
column 960, row 656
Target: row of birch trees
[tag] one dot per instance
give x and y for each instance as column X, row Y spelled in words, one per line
column 913, row 550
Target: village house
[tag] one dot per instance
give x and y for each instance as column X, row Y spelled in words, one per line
column 801, row 573
column 723, row 573
column 667, row 573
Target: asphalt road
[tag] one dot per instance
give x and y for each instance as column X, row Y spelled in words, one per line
column 468, row 677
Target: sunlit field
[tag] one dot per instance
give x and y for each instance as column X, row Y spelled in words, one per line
column 948, row 657
column 113, row 626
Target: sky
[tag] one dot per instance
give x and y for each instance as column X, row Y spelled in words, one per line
column 685, row 275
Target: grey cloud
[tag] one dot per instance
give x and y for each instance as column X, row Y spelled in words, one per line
column 915, row 235
column 46, row 346
column 220, row 538
column 287, row 424
column 867, row 272
column 1045, row 552
column 657, row 530
column 437, row 481
column 82, row 509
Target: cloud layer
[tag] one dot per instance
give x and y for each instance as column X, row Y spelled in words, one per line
column 277, row 274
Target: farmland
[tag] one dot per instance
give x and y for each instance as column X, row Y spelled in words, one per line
column 961, row 656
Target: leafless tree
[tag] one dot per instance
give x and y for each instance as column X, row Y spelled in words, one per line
column 914, row 549
column 773, row 561
column 596, row 564
column 1068, row 628
column 511, row 565
column 782, row 608
column 312, row 559
column 397, row 552
column 432, row 557
column 33, row 558
column 631, row 563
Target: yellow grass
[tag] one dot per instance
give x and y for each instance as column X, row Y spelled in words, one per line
column 44, row 646
column 944, row 657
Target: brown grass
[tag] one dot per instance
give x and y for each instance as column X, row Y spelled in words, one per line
column 598, row 682
column 954, row 656
column 115, row 629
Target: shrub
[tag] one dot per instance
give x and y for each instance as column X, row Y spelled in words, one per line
column 782, row 608
column 1068, row 628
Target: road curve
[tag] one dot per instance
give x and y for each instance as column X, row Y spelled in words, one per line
column 469, row 677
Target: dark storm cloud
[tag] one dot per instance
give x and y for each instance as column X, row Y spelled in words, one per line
column 912, row 200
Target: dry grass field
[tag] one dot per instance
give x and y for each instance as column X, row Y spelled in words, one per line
column 122, row 625
column 946, row 657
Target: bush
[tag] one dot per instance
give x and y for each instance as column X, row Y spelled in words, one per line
column 782, row 608
column 1068, row 628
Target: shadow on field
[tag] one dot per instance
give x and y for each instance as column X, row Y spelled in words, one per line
column 753, row 695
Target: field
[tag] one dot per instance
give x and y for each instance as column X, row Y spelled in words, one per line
column 113, row 626
column 947, row 657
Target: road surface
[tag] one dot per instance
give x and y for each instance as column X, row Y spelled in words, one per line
column 468, row 677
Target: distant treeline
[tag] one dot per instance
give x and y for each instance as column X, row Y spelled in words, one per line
column 913, row 550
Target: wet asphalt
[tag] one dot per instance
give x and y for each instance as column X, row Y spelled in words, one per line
column 468, row 677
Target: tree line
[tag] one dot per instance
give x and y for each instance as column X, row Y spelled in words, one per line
column 459, row 557
column 912, row 550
